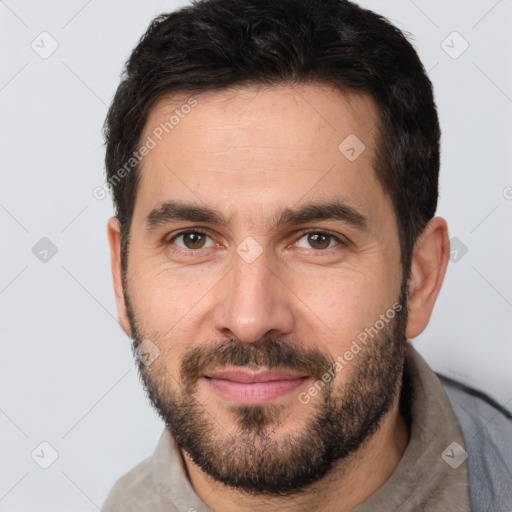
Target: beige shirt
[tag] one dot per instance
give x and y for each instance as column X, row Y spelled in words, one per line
column 426, row 478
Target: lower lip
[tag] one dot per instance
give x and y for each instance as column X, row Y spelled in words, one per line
column 254, row 392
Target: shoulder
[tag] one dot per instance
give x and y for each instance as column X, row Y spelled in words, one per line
column 487, row 432
column 479, row 412
column 134, row 491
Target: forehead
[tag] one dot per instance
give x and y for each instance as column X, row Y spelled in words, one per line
column 254, row 149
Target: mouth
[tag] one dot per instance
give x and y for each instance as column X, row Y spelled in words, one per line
column 246, row 386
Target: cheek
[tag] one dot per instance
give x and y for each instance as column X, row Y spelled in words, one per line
column 162, row 310
column 341, row 307
column 158, row 301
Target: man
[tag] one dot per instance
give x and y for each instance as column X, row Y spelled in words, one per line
column 274, row 167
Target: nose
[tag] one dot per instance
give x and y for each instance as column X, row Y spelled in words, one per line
column 253, row 302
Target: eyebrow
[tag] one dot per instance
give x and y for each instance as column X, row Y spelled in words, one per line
column 172, row 211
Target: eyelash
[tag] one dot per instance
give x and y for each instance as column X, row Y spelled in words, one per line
column 302, row 233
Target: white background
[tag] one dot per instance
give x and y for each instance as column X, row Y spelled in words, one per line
column 66, row 370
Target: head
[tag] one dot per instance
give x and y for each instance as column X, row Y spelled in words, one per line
column 274, row 167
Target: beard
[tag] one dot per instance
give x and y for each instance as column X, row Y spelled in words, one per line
column 253, row 457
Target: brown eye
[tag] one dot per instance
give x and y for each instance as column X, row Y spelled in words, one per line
column 191, row 239
column 319, row 240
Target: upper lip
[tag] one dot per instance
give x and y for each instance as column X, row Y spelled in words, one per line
column 248, row 375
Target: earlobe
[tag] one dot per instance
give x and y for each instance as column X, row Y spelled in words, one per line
column 428, row 268
column 114, row 240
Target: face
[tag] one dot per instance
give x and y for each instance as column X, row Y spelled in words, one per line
column 264, row 282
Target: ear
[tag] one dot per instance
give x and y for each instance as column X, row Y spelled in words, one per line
column 429, row 261
column 114, row 240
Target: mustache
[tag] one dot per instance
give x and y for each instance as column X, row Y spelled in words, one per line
column 271, row 353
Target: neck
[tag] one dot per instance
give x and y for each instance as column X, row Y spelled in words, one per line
column 349, row 483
